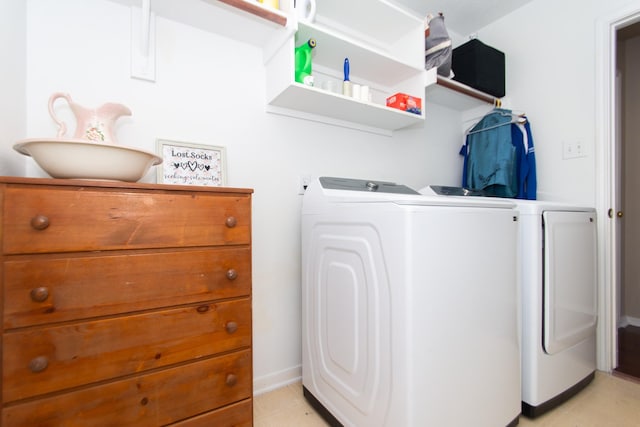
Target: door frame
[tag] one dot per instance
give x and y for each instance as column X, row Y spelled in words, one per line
column 606, row 180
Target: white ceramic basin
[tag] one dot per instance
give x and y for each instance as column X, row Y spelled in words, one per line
column 81, row 159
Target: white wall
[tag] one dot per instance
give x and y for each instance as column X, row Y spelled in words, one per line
column 550, row 76
column 13, row 17
column 550, row 49
column 211, row 90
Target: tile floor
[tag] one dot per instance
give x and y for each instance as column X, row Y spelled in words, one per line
column 609, row 401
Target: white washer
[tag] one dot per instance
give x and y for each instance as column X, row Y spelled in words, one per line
column 409, row 306
column 559, row 312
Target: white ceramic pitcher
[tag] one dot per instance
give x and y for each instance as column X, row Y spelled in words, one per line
column 305, row 10
column 93, row 124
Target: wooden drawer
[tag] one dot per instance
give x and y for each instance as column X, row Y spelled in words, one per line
column 153, row 399
column 42, row 360
column 43, row 289
column 237, row 415
column 64, row 219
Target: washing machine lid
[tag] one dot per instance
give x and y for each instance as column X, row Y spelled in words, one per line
column 569, row 304
column 326, row 190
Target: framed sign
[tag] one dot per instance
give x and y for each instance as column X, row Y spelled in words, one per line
column 191, row 164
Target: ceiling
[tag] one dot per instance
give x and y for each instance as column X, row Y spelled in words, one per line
column 464, row 16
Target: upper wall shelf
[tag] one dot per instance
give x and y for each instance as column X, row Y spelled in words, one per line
column 258, row 10
column 246, row 21
column 386, row 58
column 372, row 63
column 453, row 94
column 389, row 58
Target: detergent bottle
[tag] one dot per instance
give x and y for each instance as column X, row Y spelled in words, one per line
column 303, row 63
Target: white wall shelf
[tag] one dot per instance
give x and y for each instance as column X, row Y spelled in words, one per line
column 455, row 95
column 368, row 63
column 316, row 104
column 388, row 58
column 384, row 44
column 244, row 20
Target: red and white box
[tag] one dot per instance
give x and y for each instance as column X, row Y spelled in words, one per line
column 405, row 102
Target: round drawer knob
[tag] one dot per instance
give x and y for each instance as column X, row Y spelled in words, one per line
column 202, row 309
column 231, row 380
column 231, row 221
column 38, row 364
column 231, row 327
column 40, row 294
column 39, row 222
column 232, row 274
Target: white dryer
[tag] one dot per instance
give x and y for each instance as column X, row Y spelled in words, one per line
column 409, row 306
column 559, row 305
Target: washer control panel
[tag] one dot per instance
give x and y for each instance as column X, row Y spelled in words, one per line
column 332, row 183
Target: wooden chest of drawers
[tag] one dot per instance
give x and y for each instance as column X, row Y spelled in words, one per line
column 125, row 304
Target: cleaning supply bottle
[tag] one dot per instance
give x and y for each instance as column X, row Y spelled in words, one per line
column 303, row 63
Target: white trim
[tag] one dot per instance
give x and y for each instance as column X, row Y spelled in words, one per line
column 605, row 197
column 277, row 380
column 606, row 294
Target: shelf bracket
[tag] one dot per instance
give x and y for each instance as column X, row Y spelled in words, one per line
column 143, row 42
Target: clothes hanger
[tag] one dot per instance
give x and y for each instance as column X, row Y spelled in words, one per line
column 516, row 118
column 500, row 111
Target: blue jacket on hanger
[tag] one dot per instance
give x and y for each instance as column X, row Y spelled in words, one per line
column 490, row 156
column 499, row 157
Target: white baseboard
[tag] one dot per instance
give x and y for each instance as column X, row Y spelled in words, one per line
column 628, row 320
column 276, row 380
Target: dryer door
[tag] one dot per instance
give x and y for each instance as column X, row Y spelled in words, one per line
column 569, row 279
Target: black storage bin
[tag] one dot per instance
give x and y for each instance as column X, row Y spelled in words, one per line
column 479, row 66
